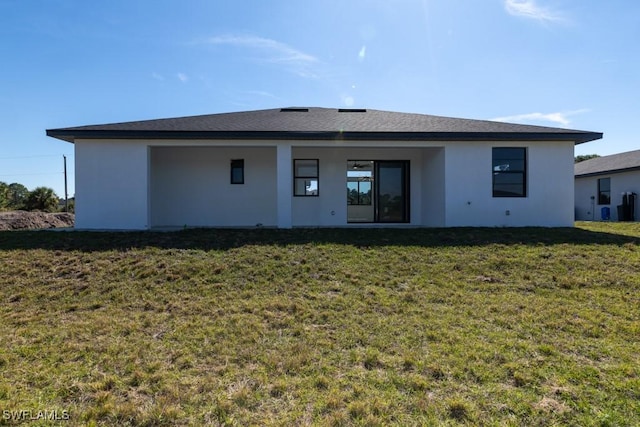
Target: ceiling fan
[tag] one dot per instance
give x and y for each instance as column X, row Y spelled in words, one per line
column 357, row 165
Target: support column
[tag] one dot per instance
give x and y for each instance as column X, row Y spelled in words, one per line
column 284, row 184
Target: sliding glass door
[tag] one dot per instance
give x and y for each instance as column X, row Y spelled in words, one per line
column 378, row 191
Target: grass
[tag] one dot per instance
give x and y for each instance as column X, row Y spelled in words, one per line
column 322, row 327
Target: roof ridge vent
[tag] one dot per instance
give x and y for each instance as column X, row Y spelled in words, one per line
column 352, row 110
column 294, row 110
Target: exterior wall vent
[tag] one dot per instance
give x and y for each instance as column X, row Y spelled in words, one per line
column 294, row 110
column 352, row 110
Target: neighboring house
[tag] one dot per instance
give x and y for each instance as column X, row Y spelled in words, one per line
column 602, row 182
column 322, row 167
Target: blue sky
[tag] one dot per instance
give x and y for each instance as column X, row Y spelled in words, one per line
column 564, row 63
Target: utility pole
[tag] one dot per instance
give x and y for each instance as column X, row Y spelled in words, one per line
column 66, row 199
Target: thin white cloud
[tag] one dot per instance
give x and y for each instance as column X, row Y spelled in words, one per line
column 157, row 76
column 530, row 9
column 558, row 118
column 261, row 93
column 274, row 51
column 183, row 77
column 362, row 53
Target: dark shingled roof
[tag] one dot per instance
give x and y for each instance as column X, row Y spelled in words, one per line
column 608, row 164
column 322, row 123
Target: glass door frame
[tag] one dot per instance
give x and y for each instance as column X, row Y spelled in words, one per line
column 404, row 191
column 405, row 212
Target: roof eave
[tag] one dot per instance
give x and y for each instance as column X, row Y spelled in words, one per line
column 70, row 135
column 61, row 134
column 608, row 172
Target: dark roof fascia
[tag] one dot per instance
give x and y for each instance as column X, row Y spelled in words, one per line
column 608, row 172
column 71, row 135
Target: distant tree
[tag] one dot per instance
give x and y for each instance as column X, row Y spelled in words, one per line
column 42, row 199
column 4, row 200
column 17, row 195
column 583, row 157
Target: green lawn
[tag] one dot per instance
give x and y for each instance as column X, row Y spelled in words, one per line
column 322, row 327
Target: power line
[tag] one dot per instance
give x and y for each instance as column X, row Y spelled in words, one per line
column 29, row 157
column 25, row 174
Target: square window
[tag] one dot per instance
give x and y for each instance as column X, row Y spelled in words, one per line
column 306, row 168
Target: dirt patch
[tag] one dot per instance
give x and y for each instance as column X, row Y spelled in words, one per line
column 551, row 405
column 22, row 220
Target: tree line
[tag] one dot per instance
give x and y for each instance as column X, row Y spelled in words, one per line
column 583, row 157
column 16, row 196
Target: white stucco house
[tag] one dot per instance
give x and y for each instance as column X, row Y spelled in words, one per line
column 603, row 182
column 323, row 167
